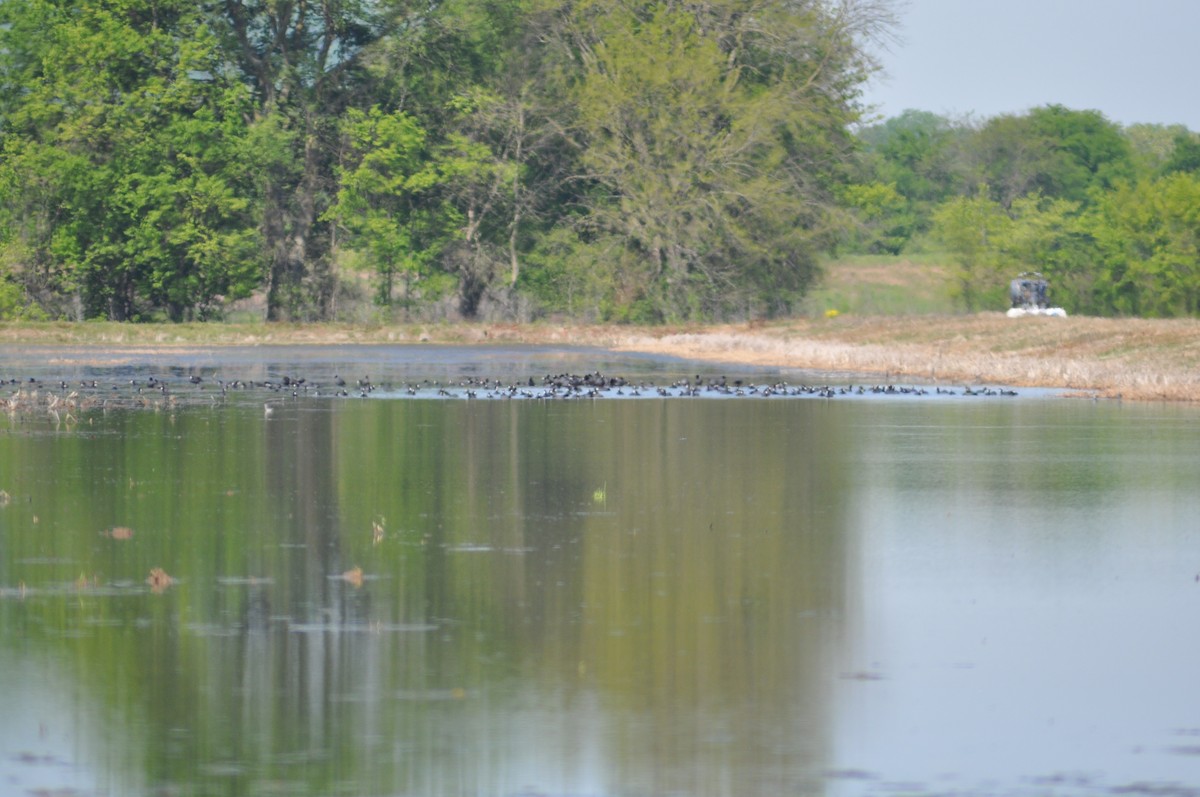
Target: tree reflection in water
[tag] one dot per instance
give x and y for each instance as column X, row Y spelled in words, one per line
column 509, row 631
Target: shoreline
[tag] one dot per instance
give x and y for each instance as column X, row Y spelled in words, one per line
column 1137, row 359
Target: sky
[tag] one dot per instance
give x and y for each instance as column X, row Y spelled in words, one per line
column 1133, row 60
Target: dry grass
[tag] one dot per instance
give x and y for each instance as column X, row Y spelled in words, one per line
column 1131, row 358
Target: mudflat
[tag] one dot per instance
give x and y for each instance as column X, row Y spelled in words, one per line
column 1142, row 359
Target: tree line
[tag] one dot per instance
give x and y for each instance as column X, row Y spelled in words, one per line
column 616, row 160
column 1110, row 215
column 605, row 158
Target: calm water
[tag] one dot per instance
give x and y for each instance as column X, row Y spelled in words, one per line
column 414, row 596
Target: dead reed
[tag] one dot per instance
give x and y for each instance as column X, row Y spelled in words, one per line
column 1128, row 358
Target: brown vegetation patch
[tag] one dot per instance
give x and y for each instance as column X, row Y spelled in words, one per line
column 1130, row 358
column 158, row 580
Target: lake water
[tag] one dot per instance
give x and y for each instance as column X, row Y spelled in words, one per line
column 882, row 593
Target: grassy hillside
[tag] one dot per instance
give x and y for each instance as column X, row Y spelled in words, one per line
column 883, row 285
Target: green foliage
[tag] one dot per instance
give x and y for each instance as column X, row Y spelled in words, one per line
column 305, row 65
column 992, row 245
column 704, row 132
column 378, row 201
column 1185, row 153
column 595, row 279
column 1050, row 236
column 1152, row 145
column 1068, row 194
column 1055, row 152
column 123, row 175
column 922, row 156
column 1148, row 238
column 601, row 159
column 919, row 152
column 974, row 229
column 884, row 223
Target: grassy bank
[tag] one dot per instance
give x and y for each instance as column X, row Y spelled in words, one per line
column 1130, row 358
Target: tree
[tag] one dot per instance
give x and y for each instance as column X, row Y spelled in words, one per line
column 883, row 222
column 920, row 152
column 383, row 199
column 1151, row 146
column 1148, row 234
column 714, row 134
column 920, row 156
column 468, row 76
column 1052, row 151
column 303, row 62
column 640, row 160
column 122, row 169
column 1185, row 153
column 1051, row 237
column 974, row 229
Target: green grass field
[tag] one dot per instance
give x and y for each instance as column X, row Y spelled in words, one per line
column 883, row 285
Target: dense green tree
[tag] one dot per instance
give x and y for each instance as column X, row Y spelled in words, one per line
column 471, row 75
column 379, row 201
column 123, row 159
column 922, row 156
column 604, row 158
column 305, row 65
column 994, row 244
column 883, row 221
column 1148, row 236
column 1052, row 151
column 975, row 229
column 713, row 133
column 1152, row 146
column 1185, row 153
column 921, row 153
column 1051, row 237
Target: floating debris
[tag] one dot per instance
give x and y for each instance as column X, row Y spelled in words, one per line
column 118, row 533
column 5, row 498
column 353, row 577
column 159, row 580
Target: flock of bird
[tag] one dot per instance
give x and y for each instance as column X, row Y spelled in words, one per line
column 155, row 392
